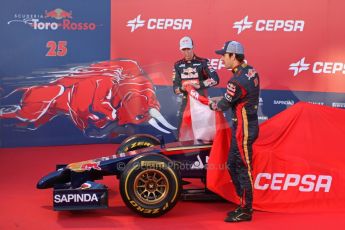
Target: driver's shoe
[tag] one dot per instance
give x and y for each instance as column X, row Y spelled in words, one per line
column 239, row 214
column 234, row 211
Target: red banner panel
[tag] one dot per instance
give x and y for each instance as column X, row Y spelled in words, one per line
column 294, row 45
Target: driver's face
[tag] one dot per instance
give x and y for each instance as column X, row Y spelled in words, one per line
column 229, row 61
column 187, row 53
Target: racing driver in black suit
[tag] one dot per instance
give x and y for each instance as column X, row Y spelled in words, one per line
column 191, row 70
column 242, row 96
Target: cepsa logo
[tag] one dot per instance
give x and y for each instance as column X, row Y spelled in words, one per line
column 269, row 25
column 160, row 23
column 318, row 67
column 282, row 181
column 52, row 20
column 216, row 63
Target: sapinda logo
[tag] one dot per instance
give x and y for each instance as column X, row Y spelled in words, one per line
column 317, row 67
column 67, row 198
column 283, row 102
column 338, row 105
column 160, row 23
column 262, row 118
column 267, row 25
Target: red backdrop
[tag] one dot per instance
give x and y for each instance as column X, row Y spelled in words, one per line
column 276, row 34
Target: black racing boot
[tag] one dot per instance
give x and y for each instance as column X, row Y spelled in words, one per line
column 239, row 214
column 234, row 211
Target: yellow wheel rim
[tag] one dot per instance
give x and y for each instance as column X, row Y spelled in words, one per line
column 151, row 186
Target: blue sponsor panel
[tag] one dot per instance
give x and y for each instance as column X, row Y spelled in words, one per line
column 48, row 34
column 39, row 41
column 62, row 131
column 275, row 101
column 27, row 27
column 272, row 102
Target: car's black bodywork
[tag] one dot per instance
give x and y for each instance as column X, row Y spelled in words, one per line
column 150, row 174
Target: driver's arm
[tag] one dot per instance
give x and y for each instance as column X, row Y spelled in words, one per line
column 211, row 75
column 177, row 83
column 233, row 93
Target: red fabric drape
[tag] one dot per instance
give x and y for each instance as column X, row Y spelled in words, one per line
column 298, row 162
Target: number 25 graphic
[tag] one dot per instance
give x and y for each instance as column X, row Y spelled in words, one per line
column 56, row 48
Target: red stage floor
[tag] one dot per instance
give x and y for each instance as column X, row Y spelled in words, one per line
column 25, row 207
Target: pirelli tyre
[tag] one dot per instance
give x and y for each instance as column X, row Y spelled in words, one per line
column 138, row 141
column 150, row 185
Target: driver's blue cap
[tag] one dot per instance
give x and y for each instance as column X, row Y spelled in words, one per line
column 231, row 47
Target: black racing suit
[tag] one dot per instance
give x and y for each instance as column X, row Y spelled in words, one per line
column 198, row 71
column 242, row 96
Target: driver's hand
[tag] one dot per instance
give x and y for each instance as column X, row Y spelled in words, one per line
column 212, row 105
column 178, row 91
column 216, row 99
column 196, row 85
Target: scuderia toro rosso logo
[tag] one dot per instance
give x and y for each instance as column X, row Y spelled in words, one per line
column 52, row 20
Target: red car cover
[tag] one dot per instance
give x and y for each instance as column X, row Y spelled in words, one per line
column 298, row 161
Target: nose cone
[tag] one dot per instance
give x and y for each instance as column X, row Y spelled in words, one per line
column 57, row 177
column 41, row 184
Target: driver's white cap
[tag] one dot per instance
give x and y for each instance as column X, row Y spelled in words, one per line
column 186, row 42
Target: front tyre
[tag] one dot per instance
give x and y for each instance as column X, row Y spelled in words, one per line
column 150, row 185
column 137, row 141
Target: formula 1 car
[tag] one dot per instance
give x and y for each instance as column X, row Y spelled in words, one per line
column 150, row 173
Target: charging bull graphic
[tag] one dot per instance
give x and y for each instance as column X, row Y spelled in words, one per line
column 58, row 14
column 105, row 94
